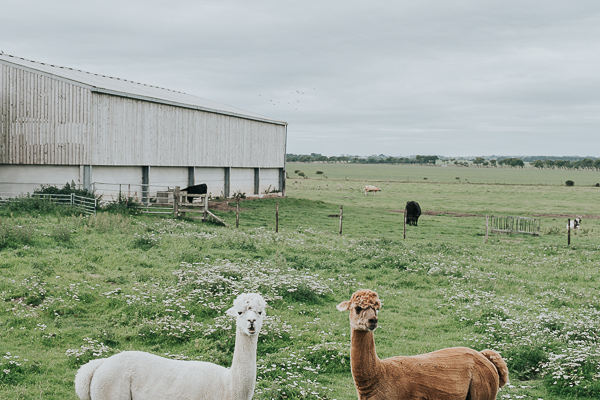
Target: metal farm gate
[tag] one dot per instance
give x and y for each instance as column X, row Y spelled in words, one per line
column 505, row 224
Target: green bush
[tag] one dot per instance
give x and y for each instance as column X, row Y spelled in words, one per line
column 69, row 188
column 124, row 205
column 40, row 204
column 570, row 183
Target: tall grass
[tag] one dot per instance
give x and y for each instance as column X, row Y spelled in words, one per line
column 76, row 288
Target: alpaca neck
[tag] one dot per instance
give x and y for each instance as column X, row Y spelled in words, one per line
column 364, row 362
column 243, row 367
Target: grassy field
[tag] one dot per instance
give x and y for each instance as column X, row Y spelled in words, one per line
column 76, row 288
column 447, row 174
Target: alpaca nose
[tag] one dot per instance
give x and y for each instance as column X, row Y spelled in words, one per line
column 252, row 321
column 372, row 320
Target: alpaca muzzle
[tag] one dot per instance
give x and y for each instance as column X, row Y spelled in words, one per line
column 372, row 324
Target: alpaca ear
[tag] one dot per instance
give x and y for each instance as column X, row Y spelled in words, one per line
column 231, row 312
column 343, row 306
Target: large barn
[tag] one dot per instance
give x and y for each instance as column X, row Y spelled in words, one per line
column 60, row 125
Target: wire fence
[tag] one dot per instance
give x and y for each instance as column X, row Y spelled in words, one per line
column 86, row 205
column 151, row 199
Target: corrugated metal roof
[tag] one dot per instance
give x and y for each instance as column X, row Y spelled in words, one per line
column 125, row 88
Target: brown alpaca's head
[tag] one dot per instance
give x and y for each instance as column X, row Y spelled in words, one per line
column 363, row 306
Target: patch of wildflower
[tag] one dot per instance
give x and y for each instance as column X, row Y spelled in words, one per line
column 31, row 296
column 537, row 339
column 293, row 374
column 169, row 325
column 216, row 285
column 26, row 295
column 517, row 392
column 12, row 368
column 145, row 241
column 574, row 370
column 92, row 349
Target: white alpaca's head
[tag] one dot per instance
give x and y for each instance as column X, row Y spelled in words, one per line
column 363, row 306
column 249, row 311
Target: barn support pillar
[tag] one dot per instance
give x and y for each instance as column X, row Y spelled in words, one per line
column 256, row 180
column 227, row 182
column 145, row 183
column 87, row 178
column 191, row 176
column 282, row 181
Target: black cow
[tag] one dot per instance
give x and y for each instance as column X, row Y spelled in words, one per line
column 413, row 212
column 196, row 189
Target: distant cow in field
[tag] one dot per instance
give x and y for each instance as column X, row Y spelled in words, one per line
column 371, row 188
column 413, row 212
column 574, row 223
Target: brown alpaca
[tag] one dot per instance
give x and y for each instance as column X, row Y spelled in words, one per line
column 456, row 373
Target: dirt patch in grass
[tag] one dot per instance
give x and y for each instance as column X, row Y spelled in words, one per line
column 444, row 213
column 583, row 216
column 224, row 206
column 460, row 214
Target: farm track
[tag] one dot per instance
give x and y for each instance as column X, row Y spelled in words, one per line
column 459, row 214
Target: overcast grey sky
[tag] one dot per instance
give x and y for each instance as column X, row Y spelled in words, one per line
column 444, row 77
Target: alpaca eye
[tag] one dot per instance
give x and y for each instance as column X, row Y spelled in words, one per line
column 260, row 313
column 358, row 310
column 239, row 313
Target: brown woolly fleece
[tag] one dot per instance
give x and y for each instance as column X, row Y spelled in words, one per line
column 457, row 373
column 365, row 298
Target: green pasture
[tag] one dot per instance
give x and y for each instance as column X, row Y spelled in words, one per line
column 75, row 288
column 447, row 173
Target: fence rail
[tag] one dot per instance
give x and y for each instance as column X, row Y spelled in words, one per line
column 84, row 204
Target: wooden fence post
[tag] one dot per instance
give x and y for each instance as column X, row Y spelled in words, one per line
column 176, row 201
column 404, row 235
column 276, row 217
column 237, row 213
column 341, row 217
column 569, row 232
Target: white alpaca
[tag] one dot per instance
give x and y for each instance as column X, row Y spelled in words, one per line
column 138, row 375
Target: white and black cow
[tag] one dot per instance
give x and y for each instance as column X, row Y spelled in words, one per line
column 574, row 223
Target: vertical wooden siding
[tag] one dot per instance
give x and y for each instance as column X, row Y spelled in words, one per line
column 133, row 132
column 42, row 120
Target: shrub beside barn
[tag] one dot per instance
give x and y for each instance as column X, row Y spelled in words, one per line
column 60, row 125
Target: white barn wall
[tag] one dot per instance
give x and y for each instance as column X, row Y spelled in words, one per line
column 110, row 181
column 214, row 179
column 169, row 176
column 269, row 180
column 242, row 179
column 17, row 179
column 116, row 175
column 134, row 132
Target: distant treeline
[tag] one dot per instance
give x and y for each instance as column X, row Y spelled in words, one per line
column 567, row 162
column 586, row 163
column 380, row 159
